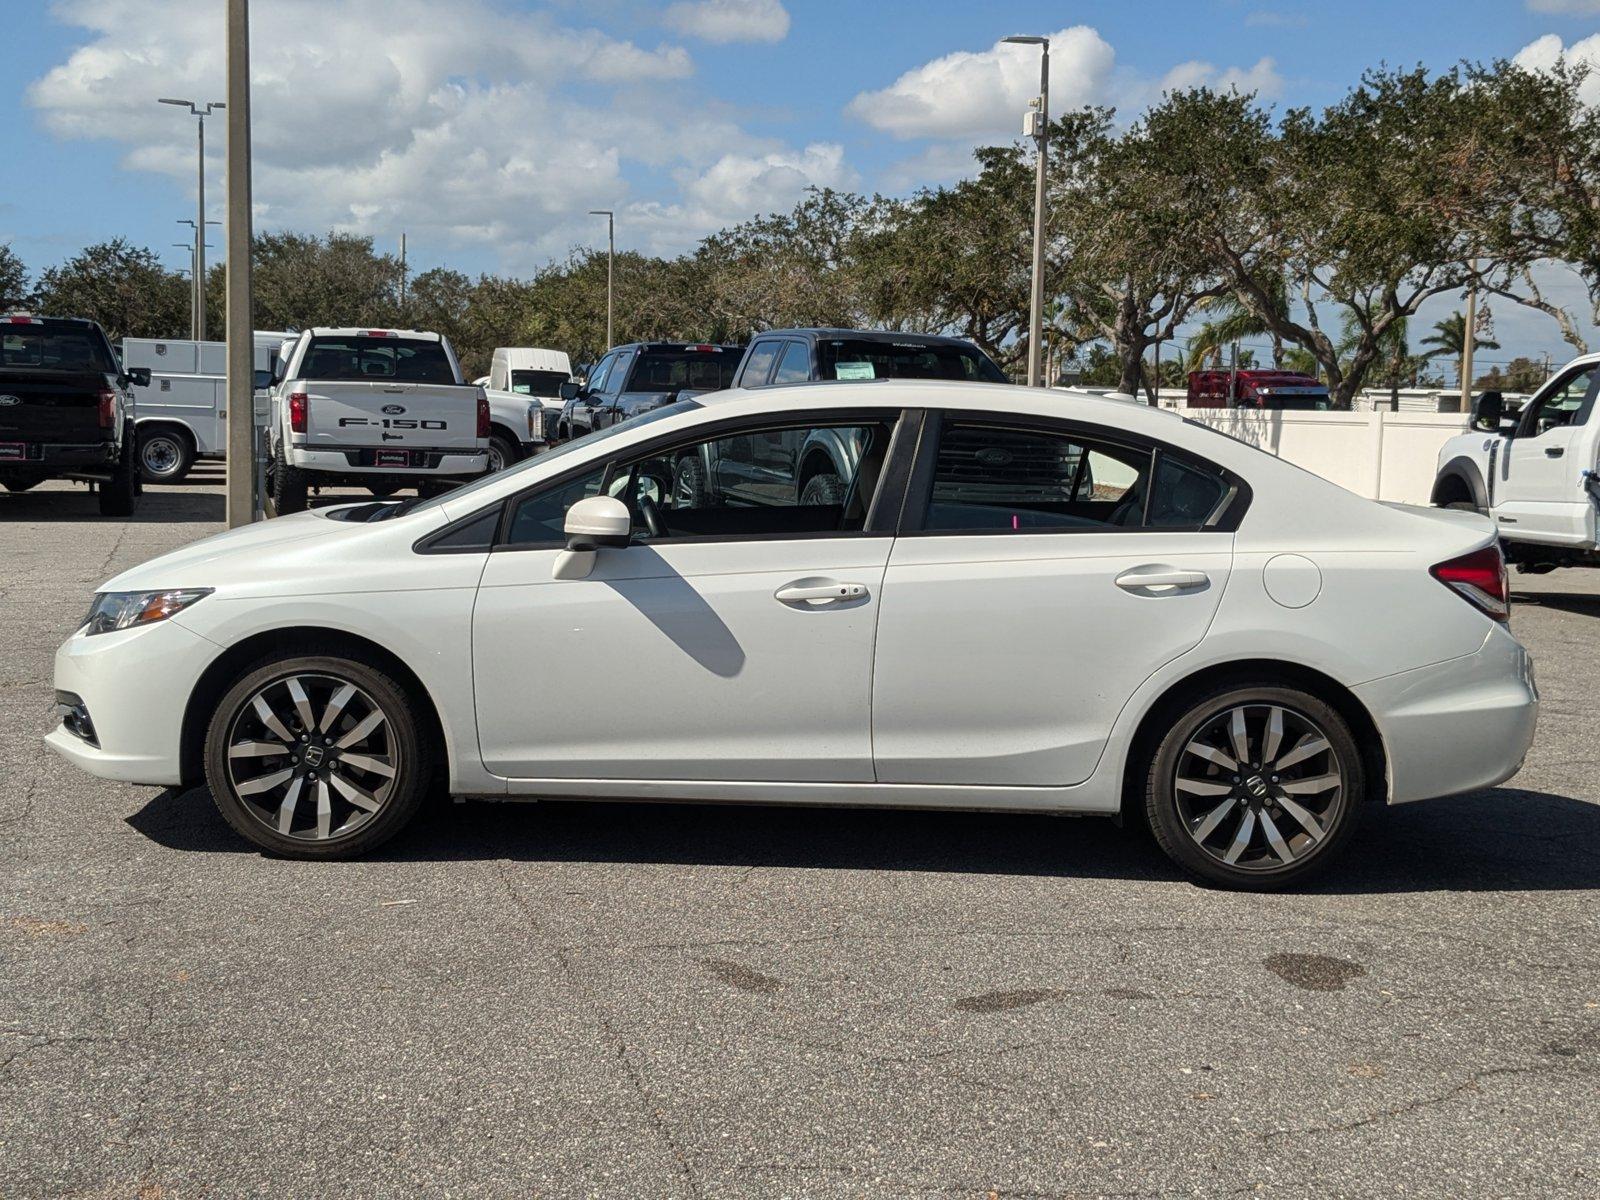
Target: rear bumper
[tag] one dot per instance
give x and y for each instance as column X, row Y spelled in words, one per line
column 448, row 463
column 1456, row 726
column 50, row 458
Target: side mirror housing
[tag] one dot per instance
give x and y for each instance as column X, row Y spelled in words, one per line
column 1487, row 410
column 570, row 390
column 262, row 380
column 592, row 524
column 139, row 376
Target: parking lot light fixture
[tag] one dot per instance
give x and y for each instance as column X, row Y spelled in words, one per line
column 1039, row 128
column 197, row 322
column 611, row 259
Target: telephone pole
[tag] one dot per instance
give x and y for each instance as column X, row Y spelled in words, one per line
column 1038, row 126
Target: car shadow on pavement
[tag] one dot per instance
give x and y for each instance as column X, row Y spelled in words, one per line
column 157, row 506
column 1504, row 839
column 1572, row 602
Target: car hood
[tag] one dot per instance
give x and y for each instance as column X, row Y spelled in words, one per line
column 224, row 556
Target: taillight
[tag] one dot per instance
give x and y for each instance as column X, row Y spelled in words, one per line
column 108, row 409
column 1480, row 578
column 298, row 403
column 483, row 416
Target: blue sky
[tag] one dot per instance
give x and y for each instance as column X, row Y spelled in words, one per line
column 487, row 128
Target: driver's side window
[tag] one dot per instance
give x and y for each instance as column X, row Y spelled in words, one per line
column 1568, row 403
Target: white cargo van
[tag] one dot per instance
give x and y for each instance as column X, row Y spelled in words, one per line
column 183, row 413
column 534, row 372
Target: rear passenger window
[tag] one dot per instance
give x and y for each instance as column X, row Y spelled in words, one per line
column 759, row 365
column 990, row 478
column 796, row 364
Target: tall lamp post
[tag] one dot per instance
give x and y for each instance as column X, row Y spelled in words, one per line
column 197, row 324
column 1037, row 126
column 243, row 479
column 611, row 261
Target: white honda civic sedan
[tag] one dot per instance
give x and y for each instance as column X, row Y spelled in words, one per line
column 910, row 594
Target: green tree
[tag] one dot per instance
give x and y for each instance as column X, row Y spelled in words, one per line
column 125, row 288
column 14, row 290
column 302, row 280
column 1449, row 340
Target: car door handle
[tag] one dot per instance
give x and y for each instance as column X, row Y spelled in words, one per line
column 1139, row 578
column 829, row 592
column 1554, row 451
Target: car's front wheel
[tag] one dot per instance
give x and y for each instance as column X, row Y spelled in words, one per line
column 1255, row 787
column 317, row 756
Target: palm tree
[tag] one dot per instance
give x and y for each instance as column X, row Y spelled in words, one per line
column 1231, row 323
column 1449, row 339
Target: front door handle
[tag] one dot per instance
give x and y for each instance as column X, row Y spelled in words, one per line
column 827, row 592
column 1137, row 579
column 1554, row 451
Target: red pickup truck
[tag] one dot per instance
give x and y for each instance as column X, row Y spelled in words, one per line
column 1257, row 389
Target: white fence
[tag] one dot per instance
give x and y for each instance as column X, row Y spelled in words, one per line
column 1380, row 455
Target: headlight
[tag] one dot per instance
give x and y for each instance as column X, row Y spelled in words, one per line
column 124, row 610
column 535, row 421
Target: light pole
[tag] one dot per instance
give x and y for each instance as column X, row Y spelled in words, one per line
column 611, row 260
column 198, row 322
column 1038, row 127
column 196, row 325
column 243, row 478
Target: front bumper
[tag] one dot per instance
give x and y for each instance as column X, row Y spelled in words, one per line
column 1459, row 725
column 135, row 685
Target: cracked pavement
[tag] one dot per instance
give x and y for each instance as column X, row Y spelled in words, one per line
column 717, row 1001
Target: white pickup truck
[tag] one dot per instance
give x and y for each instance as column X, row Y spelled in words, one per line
column 376, row 408
column 1535, row 473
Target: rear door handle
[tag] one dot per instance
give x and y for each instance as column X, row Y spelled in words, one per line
column 829, row 592
column 1137, row 579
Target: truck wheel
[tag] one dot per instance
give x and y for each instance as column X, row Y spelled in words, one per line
column 119, row 495
column 288, row 485
column 502, row 452
column 429, row 488
column 822, row 491
column 383, row 490
column 690, row 486
column 18, row 485
column 165, row 456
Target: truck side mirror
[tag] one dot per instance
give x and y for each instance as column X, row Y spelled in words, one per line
column 593, row 523
column 570, row 390
column 1487, row 410
column 139, row 376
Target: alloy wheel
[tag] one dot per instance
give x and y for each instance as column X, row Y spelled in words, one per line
column 1258, row 786
column 312, row 756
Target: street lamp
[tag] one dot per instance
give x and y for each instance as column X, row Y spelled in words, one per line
column 611, row 260
column 196, row 326
column 197, row 323
column 1037, row 125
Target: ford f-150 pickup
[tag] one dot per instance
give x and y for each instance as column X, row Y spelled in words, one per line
column 375, row 408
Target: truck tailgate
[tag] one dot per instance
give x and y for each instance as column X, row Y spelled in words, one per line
column 402, row 415
column 50, row 406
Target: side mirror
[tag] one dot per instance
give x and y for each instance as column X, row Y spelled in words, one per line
column 263, row 380
column 1487, row 410
column 139, row 376
column 593, row 523
column 570, row 390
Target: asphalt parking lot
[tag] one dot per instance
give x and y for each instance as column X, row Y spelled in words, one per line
column 702, row 1001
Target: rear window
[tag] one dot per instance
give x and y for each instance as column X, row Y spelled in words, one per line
column 54, row 348
column 684, row 370
column 849, row 359
column 352, row 359
column 538, row 383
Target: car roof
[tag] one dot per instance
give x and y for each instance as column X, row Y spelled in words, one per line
column 670, row 346
column 825, row 332
column 362, row 331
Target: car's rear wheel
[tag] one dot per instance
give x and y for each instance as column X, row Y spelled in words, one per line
column 165, row 456
column 317, row 756
column 1255, row 787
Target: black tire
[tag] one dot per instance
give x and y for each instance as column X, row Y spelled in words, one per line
column 1199, row 840
column 383, row 490
column 19, row 485
column 403, row 744
column 165, row 455
column 503, row 452
column 289, row 485
column 119, row 495
column 691, row 486
column 429, row 488
column 822, row 490
column 1464, row 505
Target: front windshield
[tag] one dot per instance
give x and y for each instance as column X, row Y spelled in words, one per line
column 538, row 460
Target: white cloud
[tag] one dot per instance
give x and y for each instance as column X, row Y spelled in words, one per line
column 488, row 128
column 1576, row 8
column 1544, row 53
column 1262, row 78
column 968, row 94
column 1265, row 18
column 730, row 20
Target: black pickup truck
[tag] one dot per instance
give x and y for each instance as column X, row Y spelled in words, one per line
column 66, row 411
